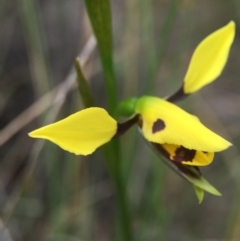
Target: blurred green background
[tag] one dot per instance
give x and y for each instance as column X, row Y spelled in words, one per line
column 50, row 195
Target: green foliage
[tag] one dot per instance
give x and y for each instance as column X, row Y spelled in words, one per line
column 99, row 12
column 84, row 90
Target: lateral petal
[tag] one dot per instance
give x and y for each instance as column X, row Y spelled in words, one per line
column 166, row 123
column 209, row 58
column 80, row 133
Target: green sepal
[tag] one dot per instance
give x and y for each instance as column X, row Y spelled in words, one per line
column 126, row 108
column 203, row 184
column 200, row 193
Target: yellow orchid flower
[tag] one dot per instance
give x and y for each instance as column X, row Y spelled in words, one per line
column 179, row 136
column 160, row 121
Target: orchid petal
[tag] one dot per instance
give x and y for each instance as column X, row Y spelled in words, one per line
column 209, row 58
column 80, row 133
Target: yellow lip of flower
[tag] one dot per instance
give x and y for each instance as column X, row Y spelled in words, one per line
column 188, row 157
column 190, row 173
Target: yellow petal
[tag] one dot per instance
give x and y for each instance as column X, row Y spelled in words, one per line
column 209, row 58
column 80, row 133
column 166, row 123
column 188, row 157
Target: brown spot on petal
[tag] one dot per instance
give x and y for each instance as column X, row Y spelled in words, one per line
column 192, row 171
column 158, row 125
column 184, row 154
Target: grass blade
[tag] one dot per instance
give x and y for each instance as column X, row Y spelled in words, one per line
column 83, row 86
column 99, row 12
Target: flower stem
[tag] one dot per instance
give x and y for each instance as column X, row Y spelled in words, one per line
column 112, row 152
column 124, row 211
column 99, row 12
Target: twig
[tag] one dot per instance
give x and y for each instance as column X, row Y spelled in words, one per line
column 51, row 98
column 32, row 112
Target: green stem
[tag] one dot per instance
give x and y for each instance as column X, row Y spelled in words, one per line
column 99, row 12
column 113, row 157
column 124, row 210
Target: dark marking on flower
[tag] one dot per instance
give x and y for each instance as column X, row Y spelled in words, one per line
column 158, row 125
column 178, row 167
column 178, row 95
column 192, row 171
column 123, row 127
column 184, row 154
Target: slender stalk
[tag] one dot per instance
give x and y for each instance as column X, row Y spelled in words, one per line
column 124, row 210
column 112, row 152
column 99, row 12
column 112, row 156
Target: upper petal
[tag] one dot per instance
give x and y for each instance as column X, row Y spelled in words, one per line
column 209, row 58
column 164, row 122
column 80, row 133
